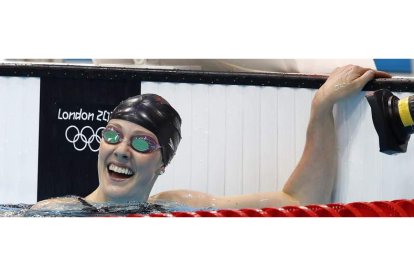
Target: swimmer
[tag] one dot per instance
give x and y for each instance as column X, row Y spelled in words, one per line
column 143, row 134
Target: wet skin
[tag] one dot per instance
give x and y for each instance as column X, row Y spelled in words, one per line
column 144, row 167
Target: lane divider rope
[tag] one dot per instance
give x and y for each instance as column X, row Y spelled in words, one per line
column 394, row 208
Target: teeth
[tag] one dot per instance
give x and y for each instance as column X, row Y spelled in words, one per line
column 117, row 169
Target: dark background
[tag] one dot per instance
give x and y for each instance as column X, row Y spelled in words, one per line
column 62, row 169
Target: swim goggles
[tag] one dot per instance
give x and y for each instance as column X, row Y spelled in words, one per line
column 140, row 143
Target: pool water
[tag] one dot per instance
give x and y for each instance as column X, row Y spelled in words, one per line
column 95, row 210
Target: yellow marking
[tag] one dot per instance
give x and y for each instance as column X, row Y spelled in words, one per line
column 404, row 110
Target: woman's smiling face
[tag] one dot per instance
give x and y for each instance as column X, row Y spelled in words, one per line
column 124, row 173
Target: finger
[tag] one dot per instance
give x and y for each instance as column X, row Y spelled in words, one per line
column 365, row 78
column 378, row 74
column 382, row 74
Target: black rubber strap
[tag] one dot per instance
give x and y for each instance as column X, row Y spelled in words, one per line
column 87, row 204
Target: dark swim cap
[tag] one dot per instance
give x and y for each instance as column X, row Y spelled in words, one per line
column 155, row 114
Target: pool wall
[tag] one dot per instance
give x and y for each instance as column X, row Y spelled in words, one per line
column 242, row 133
column 19, row 121
column 247, row 139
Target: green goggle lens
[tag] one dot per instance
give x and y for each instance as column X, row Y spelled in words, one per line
column 140, row 144
column 111, row 136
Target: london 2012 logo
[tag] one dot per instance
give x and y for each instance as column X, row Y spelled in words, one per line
column 84, row 137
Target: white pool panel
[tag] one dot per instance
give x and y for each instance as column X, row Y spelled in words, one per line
column 245, row 139
column 19, row 132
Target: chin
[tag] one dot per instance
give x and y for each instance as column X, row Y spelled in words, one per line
column 115, row 192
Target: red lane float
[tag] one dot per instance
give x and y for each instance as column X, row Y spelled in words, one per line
column 395, row 208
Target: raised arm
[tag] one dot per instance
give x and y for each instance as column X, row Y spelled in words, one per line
column 313, row 178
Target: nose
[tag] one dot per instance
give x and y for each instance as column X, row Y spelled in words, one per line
column 122, row 151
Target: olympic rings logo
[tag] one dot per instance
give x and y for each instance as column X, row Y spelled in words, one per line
column 82, row 137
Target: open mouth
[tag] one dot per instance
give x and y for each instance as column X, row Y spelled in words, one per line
column 119, row 173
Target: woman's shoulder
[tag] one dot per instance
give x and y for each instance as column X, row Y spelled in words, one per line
column 172, row 195
column 185, row 197
column 58, row 203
